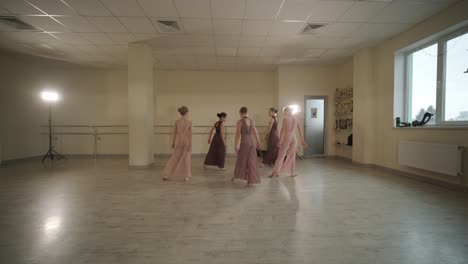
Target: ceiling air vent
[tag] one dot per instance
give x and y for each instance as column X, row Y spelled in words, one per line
column 310, row 28
column 168, row 26
column 16, row 24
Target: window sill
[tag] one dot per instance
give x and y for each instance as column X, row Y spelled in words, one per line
column 432, row 128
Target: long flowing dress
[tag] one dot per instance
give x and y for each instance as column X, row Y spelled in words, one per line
column 247, row 163
column 217, row 152
column 272, row 145
column 179, row 162
column 287, row 146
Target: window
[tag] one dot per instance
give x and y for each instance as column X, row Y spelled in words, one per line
column 456, row 79
column 437, row 80
column 422, row 82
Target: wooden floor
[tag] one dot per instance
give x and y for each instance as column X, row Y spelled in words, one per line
column 82, row 211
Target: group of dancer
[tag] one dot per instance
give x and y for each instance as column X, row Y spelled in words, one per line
column 280, row 154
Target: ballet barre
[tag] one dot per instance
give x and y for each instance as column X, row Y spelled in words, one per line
column 96, row 132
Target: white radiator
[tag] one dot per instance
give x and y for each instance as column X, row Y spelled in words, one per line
column 440, row 158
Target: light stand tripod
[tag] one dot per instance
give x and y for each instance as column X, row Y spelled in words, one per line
column 51, row 153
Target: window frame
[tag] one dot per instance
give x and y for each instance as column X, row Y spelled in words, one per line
column 440, row 82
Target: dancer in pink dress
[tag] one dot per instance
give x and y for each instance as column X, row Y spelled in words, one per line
column 179, row 162
column 247, row 162
column 288, row 144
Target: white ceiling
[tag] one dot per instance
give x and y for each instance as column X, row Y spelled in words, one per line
column 216, row 34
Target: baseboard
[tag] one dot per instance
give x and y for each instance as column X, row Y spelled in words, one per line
column 12, row 161
column 364, row 165
column 337, row 157
column 441, row 183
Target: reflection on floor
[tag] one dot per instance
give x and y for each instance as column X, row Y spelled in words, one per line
column 81, row 211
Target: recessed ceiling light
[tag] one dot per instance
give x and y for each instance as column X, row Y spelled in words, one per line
column 310, row 28
column 168, row 26
column 16, row 23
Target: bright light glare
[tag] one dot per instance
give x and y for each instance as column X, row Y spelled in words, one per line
column 52, row 223
column 50, row 96
column 294, row 108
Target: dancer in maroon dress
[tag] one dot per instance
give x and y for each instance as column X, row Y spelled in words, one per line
column 217, row 152
column 247, row 162
column 272, row 139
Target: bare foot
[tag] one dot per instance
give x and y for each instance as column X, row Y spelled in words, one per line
column 187, row 179
column 273, row 175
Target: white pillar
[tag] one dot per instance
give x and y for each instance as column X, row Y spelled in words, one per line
column 364, row 108
column 140, row 105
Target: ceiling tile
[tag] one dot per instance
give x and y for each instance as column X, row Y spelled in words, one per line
column 108, row 24
column 52, row 7
column 270, row 52
column 286, row 28
column 227, row 42
column 123, row 7
column 143, row 36
column 328, row 10
column 333, row 53
column 193, row 8
column 362, row 11
column 324, row 42
column 89, row 7
column 77, row 24
column 158, row 8
column 232, row 27
column 197, row 26
column 30, row 37
column 262, row 9
column 4, row 12
column 338, row 29
column 314, row 52
column 226, row 59
column 226, row 51
column 228, row 9
column 163, row 52
column 256, row 27
column 72, row 38
column 296, row 9
column 252, row 41
column 246, row 60
column 379, row 31
column 121, row 38
column 20, row 7
column 248, row 51
column 97, row 38
column 138, row 24
column 44, row 23
column 407, row 12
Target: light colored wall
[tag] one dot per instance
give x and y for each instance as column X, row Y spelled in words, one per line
column 295, row 82
column 207, row 93
column 387, row 140
column 98, row 97
column 89, row 96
